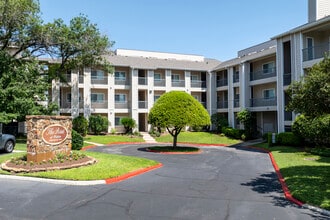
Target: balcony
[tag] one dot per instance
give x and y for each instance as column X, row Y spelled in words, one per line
column 198, row 84
column 236, row 103
column 99, row 80
column 223, row 104
column 316, row 52
column 99, row 104
column 178, row 83
column 65, row 104
column 121, row 81
column 287, row 116
column 286, row 79
column 262, row 102
column 236, row 77
column 143, row 104
column 143, row 81
column 263, row 74
column 159, row 82
column 81, row 78
column 222, row 82
column 121, row 105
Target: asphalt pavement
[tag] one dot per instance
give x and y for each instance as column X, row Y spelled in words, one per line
column 220, row 183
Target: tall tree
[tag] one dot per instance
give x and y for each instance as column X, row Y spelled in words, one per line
column 310, row 97
column 23, row 38
column 175, row 110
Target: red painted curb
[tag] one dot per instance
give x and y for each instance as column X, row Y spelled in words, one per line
column 164, row 152
column 285, row 188
column 132, row 174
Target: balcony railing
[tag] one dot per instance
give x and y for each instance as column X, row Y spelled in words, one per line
column 286, row 79
column 198, row 84
column 100, row 80
column 236, row 77
column 236, row 103
column 121, row 81
column 81, row 79
column 159, row 82
column 222, row 82
column 263, row 102
column 263, row 74
column 143, row 81
column 121, row 105
column 99, row 104
column 287, row 116
column 223, row 104
column 315, row 52
column 65, row 104
column 143, row 104
column 178, row 83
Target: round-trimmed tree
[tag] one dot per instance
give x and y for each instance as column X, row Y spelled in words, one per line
column 175, row 110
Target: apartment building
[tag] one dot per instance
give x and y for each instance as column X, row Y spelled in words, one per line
column 256, row 79
column 139, row 79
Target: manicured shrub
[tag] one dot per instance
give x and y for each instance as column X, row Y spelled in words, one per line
column 80, row 124
column 270, row 139
column 325, row 152
column 98, row 124
column 219, row 121
column 232, row 132
column 77, row 140
column 288, row 139
column 129, row 124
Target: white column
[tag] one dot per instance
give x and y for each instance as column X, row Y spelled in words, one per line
column 279, row 86
column 87, row 92
column 168, row 79
column 231, row 120
column 111, row 101
column 56, row 93
column 74, row 94
column 244, row 76
column 211, row 93
column 135, row 96
column 187, row 77
column 150, row 91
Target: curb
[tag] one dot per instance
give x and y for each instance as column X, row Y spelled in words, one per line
column 285, row 188
column 164, row 152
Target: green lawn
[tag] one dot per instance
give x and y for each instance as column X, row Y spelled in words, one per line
column 108, row 166
column 106, row 139
column 198, row 138
column 306, row 175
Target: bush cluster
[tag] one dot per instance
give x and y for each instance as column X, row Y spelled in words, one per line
column 80, row 124
column 98, row 124
column 233, row 133
column 77, row 140
column 284, row 138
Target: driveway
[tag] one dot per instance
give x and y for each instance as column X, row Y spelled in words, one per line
column 220, row 183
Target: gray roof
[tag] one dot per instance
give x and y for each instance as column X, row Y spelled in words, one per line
column 304, row 27
column 249, row 57
column 154, row 63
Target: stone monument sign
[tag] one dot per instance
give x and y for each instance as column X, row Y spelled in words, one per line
column 48, row 136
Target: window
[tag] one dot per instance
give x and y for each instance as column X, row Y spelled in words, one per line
column 194, row 78
column 120, row 98
column 269, row 93
column 68, row 97
column 268, row 67
column 175, row 77
column 156, row 97
column 118, row 120
column 157, row 76
column 97, row 74
column 97, row 97
column 120, row 75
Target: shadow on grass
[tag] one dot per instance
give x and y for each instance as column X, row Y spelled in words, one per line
column 269, row 185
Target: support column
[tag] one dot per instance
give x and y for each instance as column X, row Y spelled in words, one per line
column 56, row 93
column 135, row 96
column 111, row 101
column 187, row 79
column 231, row 117
column 87, row 92
column 279, row 87
column 74, row 94
column 168, row 79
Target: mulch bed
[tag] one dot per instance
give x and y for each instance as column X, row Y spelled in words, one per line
column 66, row 164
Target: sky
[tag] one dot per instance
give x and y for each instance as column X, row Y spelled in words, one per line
column 211, row 28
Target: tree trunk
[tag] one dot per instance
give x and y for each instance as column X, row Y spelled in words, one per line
column 175, row 138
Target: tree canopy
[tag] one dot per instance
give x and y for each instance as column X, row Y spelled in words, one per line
column 24, row 38
column 310, row 97
column 175, row 110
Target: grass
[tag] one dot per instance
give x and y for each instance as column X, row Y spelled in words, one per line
column 198, row 138
column 306, row 175
column 108, row 166
column 106, row 139
column 171, row 149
